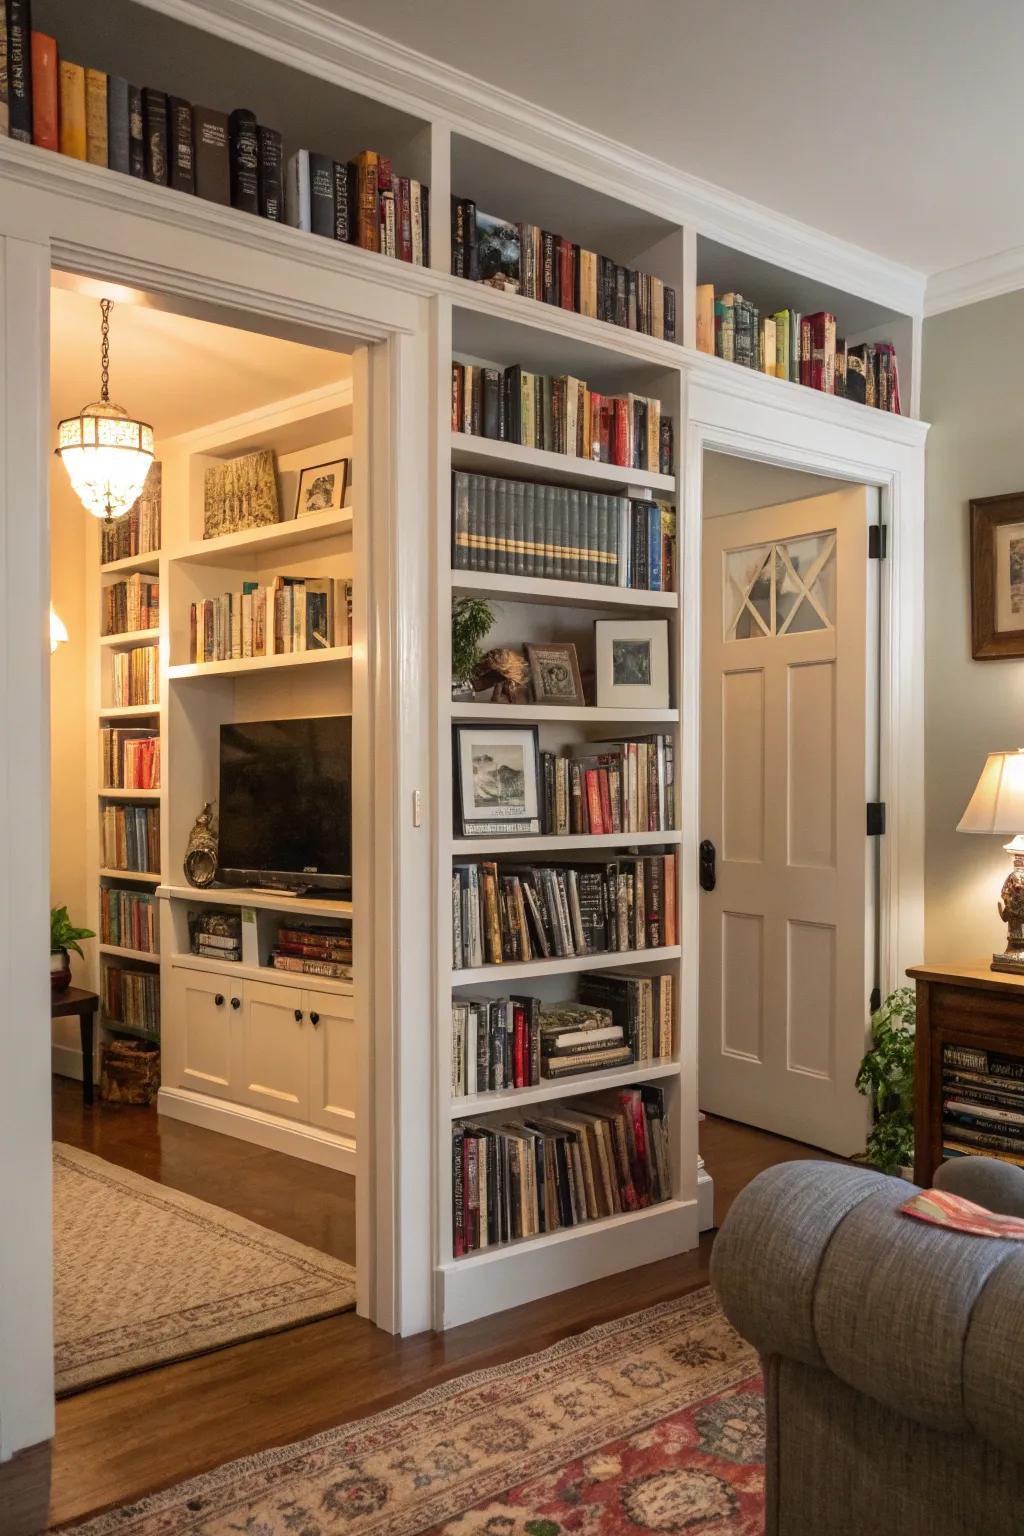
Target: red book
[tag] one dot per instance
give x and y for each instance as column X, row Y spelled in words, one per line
column 619, row 445
column 594, row 802
column 404, row 220
column 522, row 1079
column 606, row 801
column 566, row 274
column 822, row 347
column 805, row 351
column 45, row 95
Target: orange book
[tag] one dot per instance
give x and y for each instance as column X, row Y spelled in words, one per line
column 367, row 200
column 72, row 110
column 96, row 117
column 45, row 130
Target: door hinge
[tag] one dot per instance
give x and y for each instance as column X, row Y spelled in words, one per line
column 875, row 1000
column 878, row 541
column 876, row 818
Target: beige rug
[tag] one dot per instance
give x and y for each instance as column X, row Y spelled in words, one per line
column 653, row 1422
column 144, row 1274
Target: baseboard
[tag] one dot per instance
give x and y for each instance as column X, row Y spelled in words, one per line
column 25, row 1491
column 255, row 1125
column 705, row 1200
column 66, row 1061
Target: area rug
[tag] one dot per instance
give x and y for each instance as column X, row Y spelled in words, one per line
column 144, row 1274
column 653, row 1422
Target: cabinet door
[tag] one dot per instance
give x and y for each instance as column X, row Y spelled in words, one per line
column 200, row 1031
column 273, row 1049
column 332, row 1062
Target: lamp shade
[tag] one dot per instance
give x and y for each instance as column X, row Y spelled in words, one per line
column 997, row 805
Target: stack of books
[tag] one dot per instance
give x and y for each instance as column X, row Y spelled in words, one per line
column 505, row 914
column 310, row 950
column 292, row 613
column 130, row 838
column 131, row 1000
column 982, row 1104
column 558, row 1166
column 129, row 759
column 131, row 605
column 216, row 933
column 575, row 1038
column 559, row 532
column 609, row 786
column 128, row 919
column 643, row 1006
column 523, row 258
column 561, row 415
column 138, row 531
column 134, row 676
column 363, row 202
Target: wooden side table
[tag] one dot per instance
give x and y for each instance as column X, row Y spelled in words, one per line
column 74, row 1001
column 957, row 1005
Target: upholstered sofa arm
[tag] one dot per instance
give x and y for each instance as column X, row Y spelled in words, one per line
column 816, row 1263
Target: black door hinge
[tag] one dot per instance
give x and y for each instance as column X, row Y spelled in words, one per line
column 876, row 818
column 875, row 1000
column 878, row 541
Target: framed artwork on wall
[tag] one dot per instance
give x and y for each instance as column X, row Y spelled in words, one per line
column 997, row 576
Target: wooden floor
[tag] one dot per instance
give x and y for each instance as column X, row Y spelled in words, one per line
column 117, row 1442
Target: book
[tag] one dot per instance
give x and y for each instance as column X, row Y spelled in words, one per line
column 155, row 131
column 5, row 110
column 243, row 139
column 296, row 191
column 118, row 125
column 321, row 195
column 706, row 318
column 367, row 204
column 72, row 110
column 96, row 148
column 181, row 152
column 343, row 220
column 45, row 117
column 270, row 173
column 211, row 155
column 136, row 133
column 19, row 70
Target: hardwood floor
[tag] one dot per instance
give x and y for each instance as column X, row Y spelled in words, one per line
column 117, row 1442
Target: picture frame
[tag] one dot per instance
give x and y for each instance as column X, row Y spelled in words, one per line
column 240, row 493
column 555, row 673
column 631, row 657
column 997, row 576
column 322, row 488
column 497, row 774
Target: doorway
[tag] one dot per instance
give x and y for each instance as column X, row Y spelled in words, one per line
column 789, row 762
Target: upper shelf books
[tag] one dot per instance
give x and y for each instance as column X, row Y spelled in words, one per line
column 292, row 613
column 138, row 531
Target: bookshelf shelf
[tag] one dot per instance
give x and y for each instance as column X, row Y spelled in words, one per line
column 490, row 456
column 551, row 1240
column 486, row 975
column 117, row 1028
column 130, row 794
column 541, row 1093
column 335, row 653
column 272, row 901
column 549, row 844
column 267, row 973
column 256, row 541
column 560, row 594
column 129, row 712
column 148, row 564
column 119, row 952
column 130, row 639
column 584, row 713
column 147, row 877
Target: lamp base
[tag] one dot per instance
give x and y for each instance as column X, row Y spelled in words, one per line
column 1009, row 960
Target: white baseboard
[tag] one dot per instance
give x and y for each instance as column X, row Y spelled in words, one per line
column 66, row 1061
column 705, row 1200
column 256, row 1126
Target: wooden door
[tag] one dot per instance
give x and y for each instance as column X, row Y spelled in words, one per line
column 332, row 1062
column 784, row 947
column 200, row 1050
column 273, row 1049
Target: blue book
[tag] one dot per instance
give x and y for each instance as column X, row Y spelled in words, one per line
column 653, row 547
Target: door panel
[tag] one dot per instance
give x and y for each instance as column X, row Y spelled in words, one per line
column 810, row 998
column 332, row 1062
column 205, row 1058
column 273, row 1050
column 810, row 752
column 743, row 766
column 742, row 985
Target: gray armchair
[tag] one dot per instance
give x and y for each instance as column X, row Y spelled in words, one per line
column 893, row 1356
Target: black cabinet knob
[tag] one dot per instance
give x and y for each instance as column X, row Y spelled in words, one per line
column 218, row 1001
column 314, row 1018
column 298, row 1015
column 236, row 1002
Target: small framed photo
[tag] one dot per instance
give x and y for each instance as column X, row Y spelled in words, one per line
column 555, row 674
column 632, row 663
column 997, row 576
column 496, row 770
column 322, row 488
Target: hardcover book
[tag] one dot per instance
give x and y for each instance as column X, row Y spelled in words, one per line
column 5, row 111
column 211, row 154
column 118, row 128
column 96, row 151
column 367, row 203
column 45, row 130
column 72, row 110
column 243, row 138
column 19, row 70
column 343, row 227
column 497, row 248
column 321, row 194
column 296, row 197
column 182, row 170
column 136, row 133
column 271, row 167
column 154, row 122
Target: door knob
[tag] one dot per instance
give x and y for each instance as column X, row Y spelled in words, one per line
column 218, row 1001
column 236, row 1002
column 314, row 1019
column 298, row 1015
column 706, row 854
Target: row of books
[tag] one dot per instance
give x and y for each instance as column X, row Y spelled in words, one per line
column 500, row 1043
column 129, row 919
column 134, row 676
column 609, row 786
column 131, row 605
column 216, row 934
column 523, row 258
column 292, row 613
column 561, row 415
column 131, row 999
column 362, row 202
column 559, row 1166
column 559, row 532
column 130, row 838
column 129, row 759
column 312, row 950
column 138, row 531
column 802, row 348
column 982, row 1104
column 502, row 914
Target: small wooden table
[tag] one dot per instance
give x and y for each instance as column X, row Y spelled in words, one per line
column 957, row 1005
column 74, row 1001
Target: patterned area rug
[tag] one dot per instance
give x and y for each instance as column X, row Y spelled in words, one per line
column 654, row 1422
column 144, row 1274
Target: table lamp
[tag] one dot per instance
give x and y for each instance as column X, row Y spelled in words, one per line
column 997, row 808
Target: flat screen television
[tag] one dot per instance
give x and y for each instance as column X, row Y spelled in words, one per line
column 286, row 804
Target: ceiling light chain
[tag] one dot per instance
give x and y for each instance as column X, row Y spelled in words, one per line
column 106, row 305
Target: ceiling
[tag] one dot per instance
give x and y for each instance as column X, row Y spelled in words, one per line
column 172, row 370
column 894, row 124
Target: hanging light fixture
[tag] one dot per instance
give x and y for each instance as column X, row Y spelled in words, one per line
column 106, row 452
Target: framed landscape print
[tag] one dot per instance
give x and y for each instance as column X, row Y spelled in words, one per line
column 632, row 663
column 997, row 576
column 322, row 488
column 555, row 674
column 497, row 778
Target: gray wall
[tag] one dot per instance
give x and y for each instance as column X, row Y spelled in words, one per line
column 972, row 395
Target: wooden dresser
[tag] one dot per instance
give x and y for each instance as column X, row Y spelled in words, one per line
column 957, row 1005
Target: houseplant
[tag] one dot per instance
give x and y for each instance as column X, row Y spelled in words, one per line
column 64, row 937
column 886, row 1078
column 471, row 620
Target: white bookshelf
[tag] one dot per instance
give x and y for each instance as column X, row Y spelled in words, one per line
column 499, row 458
column 250, row 664
column 636, row 720
column 519, row 970
column 567, row 1088
column 130, row 639
column 557, row 594
column 526, row 847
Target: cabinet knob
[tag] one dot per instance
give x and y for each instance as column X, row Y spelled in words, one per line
column 298, row 1015
column 236, row 1002
column 218, row 1001
column 314, row 1019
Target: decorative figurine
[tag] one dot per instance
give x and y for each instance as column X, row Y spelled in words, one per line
column 201, row 853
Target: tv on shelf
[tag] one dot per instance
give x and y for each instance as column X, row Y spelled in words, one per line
column 286, row 804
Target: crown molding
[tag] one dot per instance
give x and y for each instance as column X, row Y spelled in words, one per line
column 987, row 278
column 301, row 34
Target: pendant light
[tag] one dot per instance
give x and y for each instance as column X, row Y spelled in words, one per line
column 105, row 451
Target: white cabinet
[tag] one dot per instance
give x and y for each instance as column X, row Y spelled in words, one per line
column 332, row 1062
column 274, row 1049
column 200, row 1049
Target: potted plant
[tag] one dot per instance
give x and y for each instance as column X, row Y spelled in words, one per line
column 886, row 1077
column 471, row 619
column 64, row 937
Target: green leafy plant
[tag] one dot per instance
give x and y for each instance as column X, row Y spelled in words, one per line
column 886, row 1078
column 64, row 934
column 471, row 620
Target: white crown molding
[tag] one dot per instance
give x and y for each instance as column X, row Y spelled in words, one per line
column 303, row 35
column 975, row 281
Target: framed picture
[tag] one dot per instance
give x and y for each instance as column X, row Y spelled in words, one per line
column 997, row 576
column 240, row 493
column 555, row 674
column 496, row 769
column 322, row 488
column 632, row 663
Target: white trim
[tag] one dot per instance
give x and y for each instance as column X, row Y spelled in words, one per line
column 259, row 1128
column 66, row 1061
column 974, row 281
